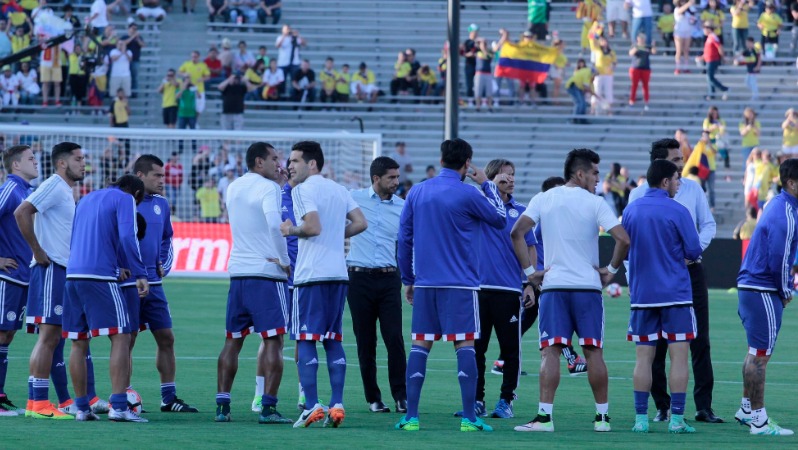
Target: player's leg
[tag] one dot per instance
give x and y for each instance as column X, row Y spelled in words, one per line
column 363, row 307
column 486, row 305
column 507, row 307
column 76, row 329
column 307, row 328
column 336, row 358
column 679, row 327
column 587, row 309
column 642, row 383
column 272, row 365
column 390, row 317
column 226, row 368
column 58, row 374
column 659, row 383
column 41, row 362
column 260, row 380
column 12, row 301
column 77, row 370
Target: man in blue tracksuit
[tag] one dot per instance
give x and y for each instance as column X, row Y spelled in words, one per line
column 156, row 251
column 663, row 237
column 439, row 232
column 764, row 289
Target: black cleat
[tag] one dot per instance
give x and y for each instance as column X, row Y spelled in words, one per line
column 178, row 406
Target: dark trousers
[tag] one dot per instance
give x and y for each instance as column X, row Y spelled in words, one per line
column 500, row 310
column 470, row 71
column 375, row 297
column 699, row 350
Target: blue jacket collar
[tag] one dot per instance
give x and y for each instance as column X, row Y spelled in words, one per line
column 656, row 192
column 19, row 180
column 449, row 173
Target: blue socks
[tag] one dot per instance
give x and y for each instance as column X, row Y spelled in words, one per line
column 641, row 403
column 30, row 387
column 168, row 392
column 267, row 400
column 3, row 367
column 416, row 372
column 91, row 392
column 467, row 376
column 223, row 398
column 308, row 367
column 678, row 400
column 58, row 373
column 119, row 402
column 336, row 367
column 83, row 403
column 41, row 388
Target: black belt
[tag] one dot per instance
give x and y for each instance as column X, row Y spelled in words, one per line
column 372, row 270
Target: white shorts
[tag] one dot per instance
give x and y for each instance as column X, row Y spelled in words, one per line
column 145, row 12
column 790, row 149
column 616, row 11
column 556, row 72
column 367, row 89
column 200, row 102
column 115, row 83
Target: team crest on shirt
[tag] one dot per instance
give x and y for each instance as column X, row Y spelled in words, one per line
column 58, row 310
column 156, row 209
column 12, row 316
column 513, row 213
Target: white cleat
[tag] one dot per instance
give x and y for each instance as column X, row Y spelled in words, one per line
column 72, row 409
column 86, row 416
column 742, row 417
column 770, row 428
column 125, row 416
column 310, row 416
column 100, row 407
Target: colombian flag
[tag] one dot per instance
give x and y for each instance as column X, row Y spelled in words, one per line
column 528, row 62
column 700, row 159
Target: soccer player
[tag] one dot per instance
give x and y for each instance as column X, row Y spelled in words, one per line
column 440, row 230
column 695, row 200
column 258, row 266
column 156, row 251
column 375, row 287
column 130, row 292
column 663, row 237
column 764, row 289
column 104, row 232
column 570, row 299
column 321, row 207
column 15, row 255
column 53, row 206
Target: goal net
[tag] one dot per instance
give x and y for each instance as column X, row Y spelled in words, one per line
column 200, row 164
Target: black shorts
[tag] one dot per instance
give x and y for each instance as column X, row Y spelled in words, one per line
column 170, row 115
column 540, row 30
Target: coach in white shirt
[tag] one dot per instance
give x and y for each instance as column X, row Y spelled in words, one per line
column 695, row 200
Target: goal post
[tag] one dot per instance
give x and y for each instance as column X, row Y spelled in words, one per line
column 200, row 164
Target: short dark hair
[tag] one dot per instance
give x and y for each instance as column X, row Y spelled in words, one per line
column 552, row 182
column 330, row 58
column 788, row 171
column 660, row 170
column 12, row 155
column 579, row 159
column 262, row 47
column 693, row 170
column 381, row 165
column 455, row 153
column 257, row 150
column 130, row 184
column 145, row 162
column 311, row 151
column 63, row 150
column 661, row 147
column 495, row 166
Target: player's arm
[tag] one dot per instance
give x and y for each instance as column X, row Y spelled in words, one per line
column 492, row 212
column 690, row 242
column 129, row 243
column 24, row 216
column 272, row 211
column 781, row 241
column 619, row 253
column 357, row 223
column 305, row 208
column 527, row 255
column 404, row 248
column 166, row 254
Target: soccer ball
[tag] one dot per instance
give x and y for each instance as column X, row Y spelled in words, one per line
column 614, row 290
column 134, row 401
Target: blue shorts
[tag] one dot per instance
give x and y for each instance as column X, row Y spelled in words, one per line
column 13, row 297
column 130, row 293
column 563, row 313
column 155, row 313
column 675, row 323
column 317, row 312
column 761, row 315
column 45, row 295
column 257, row 305
column 94, row 308
column 451, row 314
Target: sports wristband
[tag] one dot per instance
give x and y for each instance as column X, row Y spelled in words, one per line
column 612, row 270
column 529, row 271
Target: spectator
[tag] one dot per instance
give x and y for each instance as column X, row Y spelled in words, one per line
column 717, row 132
column 666, row 24
column 740, row 23
column 69, row 16
column 602, row 85
column 262, row 56
column 615, row 186
column 693, row 175
column 78, row 79
column 581, row 82
column 236, row 11
column 20, row 40
column 187, row 105
column 401, row 74
column 120, row 110
column 208, row 198
column 109, row 40
column 794, row 32
column 214, row 67
column 200, row 165
column 364, row 84
column 254, row 77
column 750, row 195
column 753, row 65
column 249, row 8
column 289, row 44
column 403, row 159
column 468, row 50
column 99, row 15
column 483, row 81
column 199, row 74
column 50, row 67
column 226, row 57
column 328, row 77
column 168, row 90
column 134, row 43
column 5, row 39
column 557, row 70
column 273, row 80
column 790, row 133
column 684, row 143
column 233, row 92
column 218, row 9
column 641, row 19
column 588, row 12
column 640, row 72
column 243, row 58
column 29, row 87
column 342, row 83
column 713, row 56
column 496, row 46
column 173, row 180
column 538, row 18
column 443, row 61
column 270, row 8
column 120, row 77
column 9, row 86
column 428, row 83
column 304, row 84
column 616, row 12
column 750, row 130
column 188, row 6
column 765, row 173
column 430, row 172
column 712, row 13
column 100, row 78
column 224, row 182
column 414, row 68
column 683, row 34
column 151, row 9
column 704, row 148
column 745, row 229
column 770, row 24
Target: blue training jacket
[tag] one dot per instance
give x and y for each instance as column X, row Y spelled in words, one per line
column 156, row 247
column 12, row 245
column 292, row 241
column 662, row 235
column 771, row 252
column 498, row 266
column 104, row 227
column 440, row 231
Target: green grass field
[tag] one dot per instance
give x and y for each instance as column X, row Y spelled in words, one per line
column 198, row 309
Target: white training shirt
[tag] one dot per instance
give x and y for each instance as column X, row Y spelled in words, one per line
column 254, row 206
column 101, row 9
column 570, row 218
column 53, row 222
column 322, row 258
